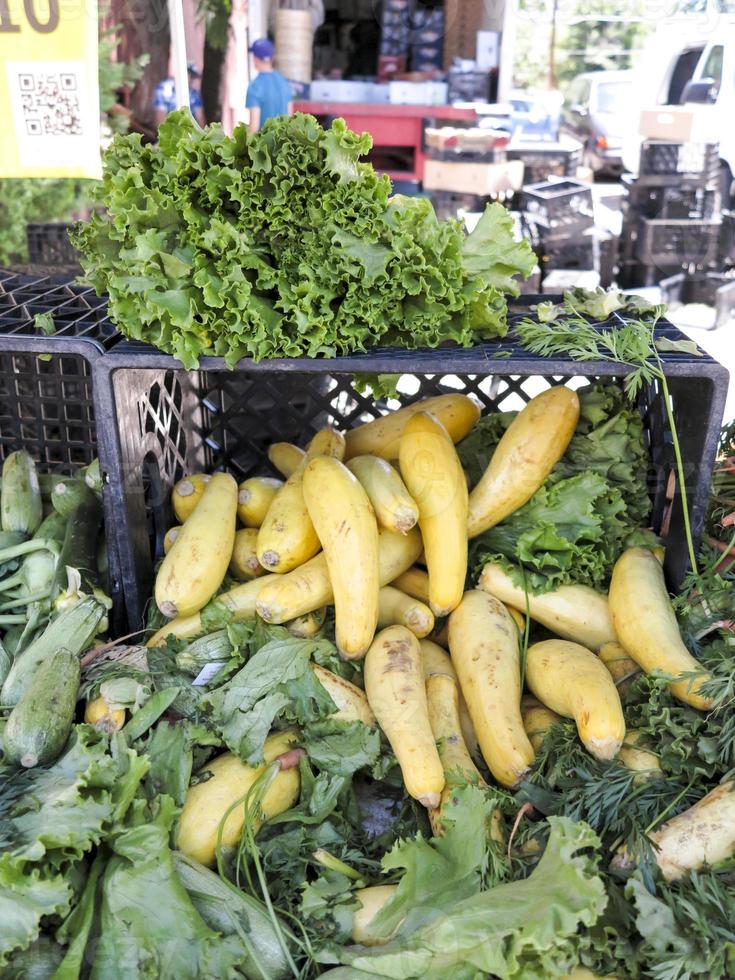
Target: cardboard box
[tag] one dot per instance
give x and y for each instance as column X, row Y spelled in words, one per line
column 680, row 124
column 473, row 178
column 488, row 50
column 418, row 93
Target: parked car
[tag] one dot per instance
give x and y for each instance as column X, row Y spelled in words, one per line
column 594, row 111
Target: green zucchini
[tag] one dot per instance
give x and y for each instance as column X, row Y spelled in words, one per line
column 9, row 539
column 80, row 546
column 21, row 507
column 231, row 912
column 69, row 494
column 93, row 476
column 205, row 650
column 72, row 630
column 6, row 661
column 38, row 727
column 12, row 639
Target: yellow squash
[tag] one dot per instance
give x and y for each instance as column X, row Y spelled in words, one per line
column 207, row 802
column 537, row 720
column 104, row 718
column 574, row 683
column 646, row 625
column 398, row 609
column 371, row 902
column 169, row 537
column 254, row 497
column 240, row 602
column 435, row 479
column 535, row 440
column 286, row 538
column 483, row 641
column 285, row 457
column 437, row 661
column 442, row 696
column 187, row 493
column 393, row 505
column 345, row 524
column 309, row 587
column 308, row 625
column 574, row 612
column 636, row 757
column 352, row 704
column 622, row 669
column 414, row 582
column 396, row 692
column 703, row 835
column 457, row 413
column 244, row 564
column 197, row 563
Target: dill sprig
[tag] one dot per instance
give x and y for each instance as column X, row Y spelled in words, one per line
column 629, row 342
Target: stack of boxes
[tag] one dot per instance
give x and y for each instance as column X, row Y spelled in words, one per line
column 426, row 53
column 412, row 38
column 466, row 167
column 395, row 38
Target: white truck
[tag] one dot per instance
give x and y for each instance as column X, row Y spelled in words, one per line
column 689, row 61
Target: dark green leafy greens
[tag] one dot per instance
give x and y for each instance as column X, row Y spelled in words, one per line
column 285, row 244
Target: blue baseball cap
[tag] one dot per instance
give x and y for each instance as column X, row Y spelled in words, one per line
column 262, row 48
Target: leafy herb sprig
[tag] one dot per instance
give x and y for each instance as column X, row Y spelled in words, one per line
column 567, row 330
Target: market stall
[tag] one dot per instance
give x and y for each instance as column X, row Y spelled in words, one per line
column 360, row 502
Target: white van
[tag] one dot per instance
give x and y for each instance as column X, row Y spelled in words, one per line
column 691, row 62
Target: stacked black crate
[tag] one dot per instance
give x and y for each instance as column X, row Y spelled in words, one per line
column 558, row 218
column 395, row 32
column 672, row 219
column 426, row 52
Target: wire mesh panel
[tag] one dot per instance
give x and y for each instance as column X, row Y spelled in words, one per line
column 169, row 422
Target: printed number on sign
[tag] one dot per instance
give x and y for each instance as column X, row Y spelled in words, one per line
column 44, row 22
column 50, row 103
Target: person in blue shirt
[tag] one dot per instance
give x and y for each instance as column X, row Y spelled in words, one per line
column 269, row 94
column 164, row 97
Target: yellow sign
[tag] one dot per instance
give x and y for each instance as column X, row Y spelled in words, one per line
column 49, row 91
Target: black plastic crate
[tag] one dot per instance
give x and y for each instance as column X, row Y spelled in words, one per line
column 711, row 288
column 162, row 422
column 573, row 254
column 47, row 394
column 677, row 201
column 680, row 242
column 543, row 161
column 558, row 208
column 76, row 310
column 666, row 162
column 49, row 245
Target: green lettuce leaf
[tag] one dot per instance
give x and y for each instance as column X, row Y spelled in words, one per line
column 64, row 810
column 148, row 926
column 439, row 871
column 25, row 899
column 276, row 683
column 526, row 928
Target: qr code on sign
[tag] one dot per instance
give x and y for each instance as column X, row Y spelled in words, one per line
column 49, row 102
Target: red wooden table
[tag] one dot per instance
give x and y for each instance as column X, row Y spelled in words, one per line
column 390, row 125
